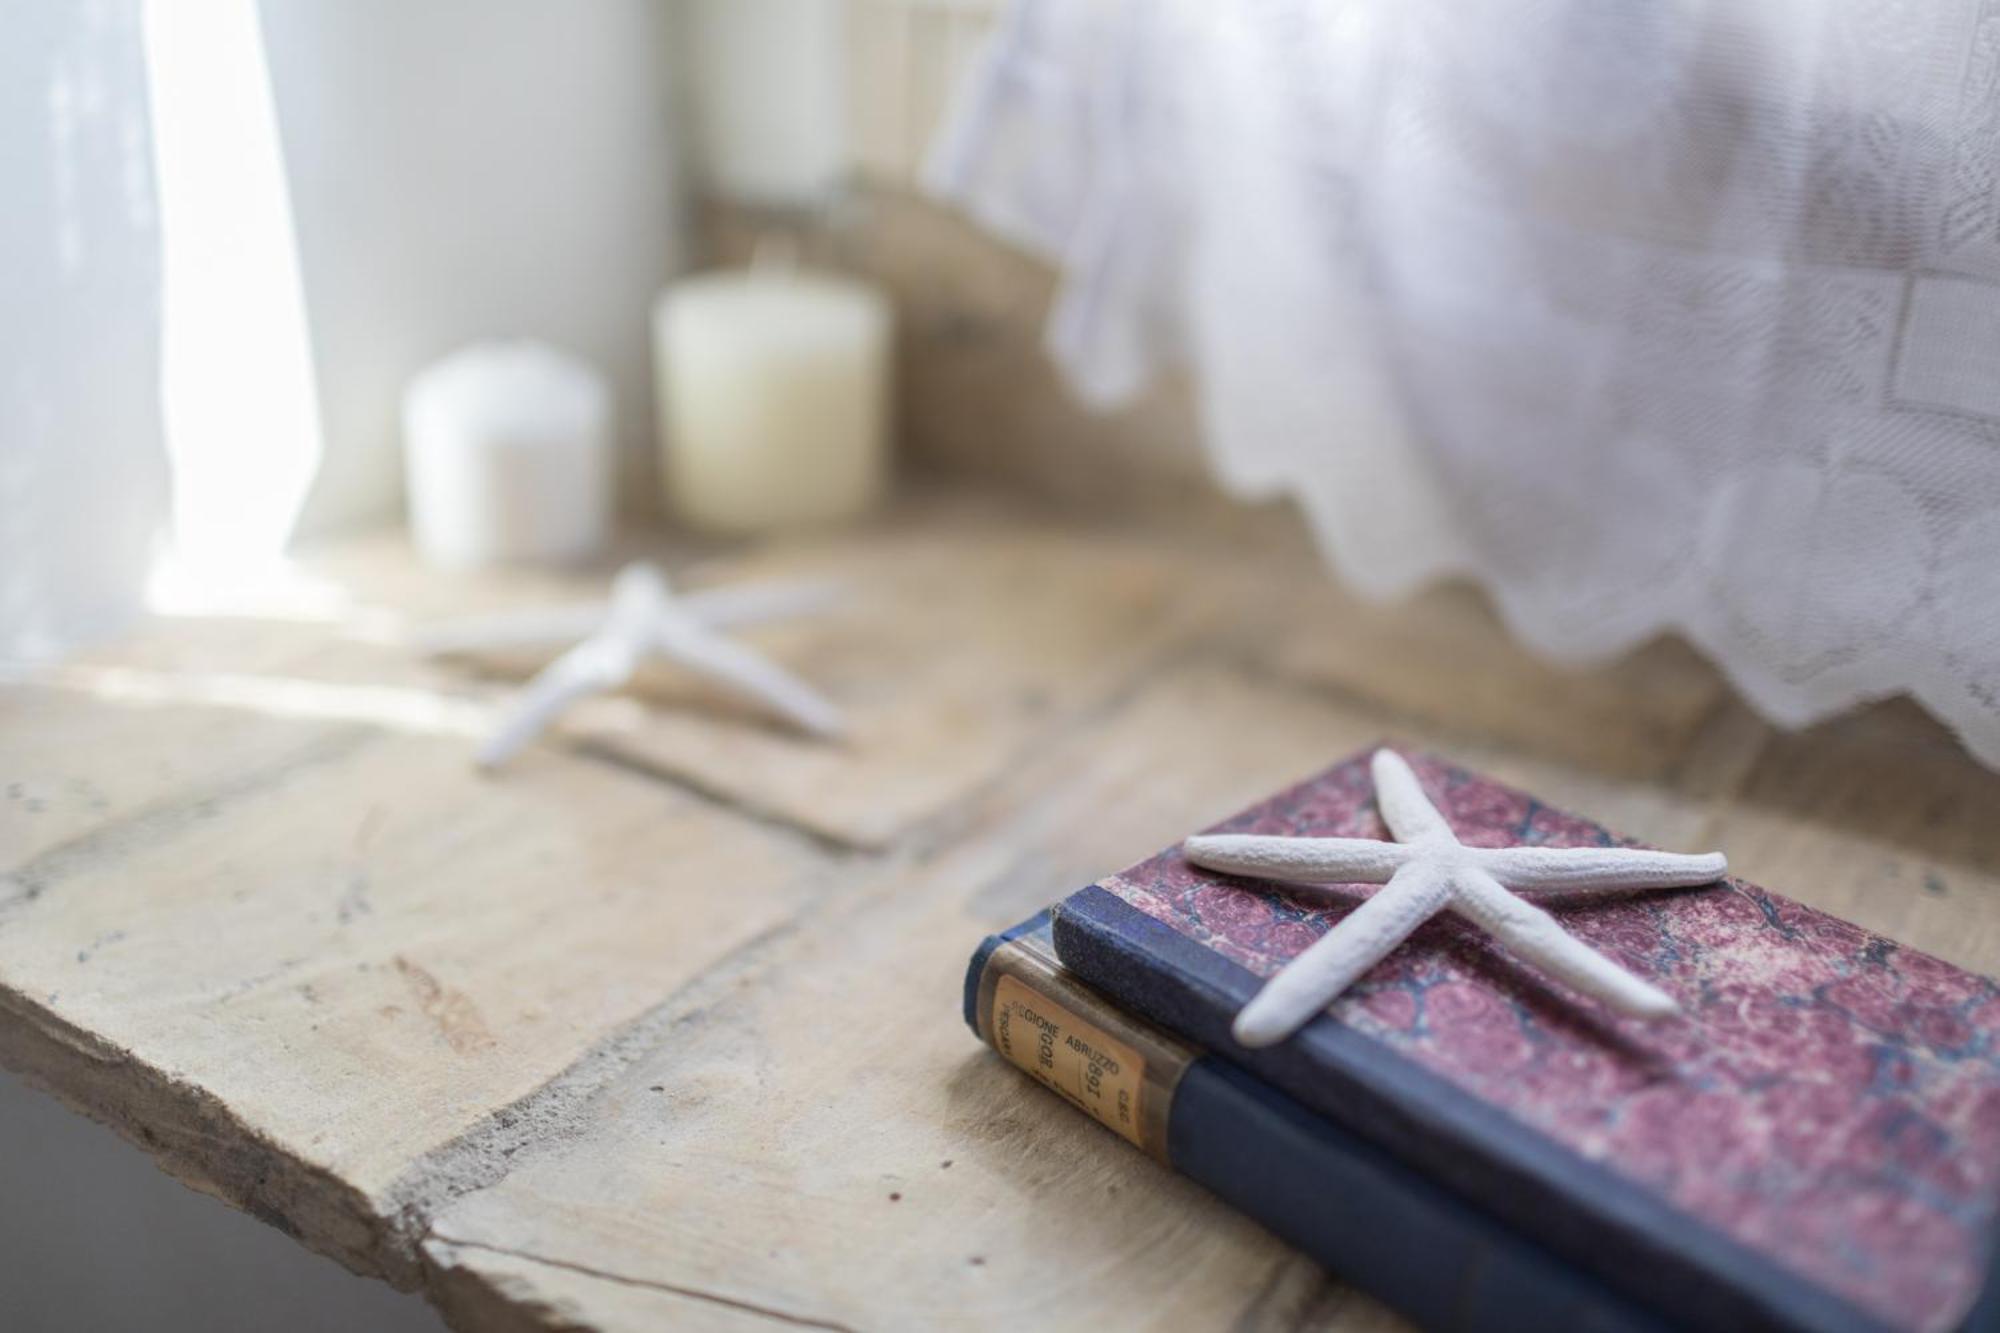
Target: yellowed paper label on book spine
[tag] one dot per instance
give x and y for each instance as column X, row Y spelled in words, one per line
column 1081, row 1063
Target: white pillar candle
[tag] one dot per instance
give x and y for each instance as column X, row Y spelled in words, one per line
column 507, row 447
column 774, row 397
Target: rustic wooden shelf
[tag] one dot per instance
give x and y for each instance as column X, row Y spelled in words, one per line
column 661, row 1023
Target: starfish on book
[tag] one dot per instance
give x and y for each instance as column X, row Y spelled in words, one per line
column 1425, row 871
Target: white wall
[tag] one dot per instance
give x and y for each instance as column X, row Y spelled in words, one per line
column 463, row 169
column 768, row 99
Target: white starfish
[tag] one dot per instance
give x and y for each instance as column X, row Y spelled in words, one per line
column 1425, row 871
column 644, row 617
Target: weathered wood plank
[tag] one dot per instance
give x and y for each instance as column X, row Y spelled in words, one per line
column 257, row 909
column 824, row 1140
column 279, row 929
column 76, row 765
column 351, row 957
column 1443, row 659
column 1882, row 818
column 803, row 1190
column 964, row 643
column 496, row 1291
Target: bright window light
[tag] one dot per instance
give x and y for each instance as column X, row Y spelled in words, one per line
column 240, row 407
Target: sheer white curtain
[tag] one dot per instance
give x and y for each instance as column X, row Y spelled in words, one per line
column 1676, row 316
column 83, row 484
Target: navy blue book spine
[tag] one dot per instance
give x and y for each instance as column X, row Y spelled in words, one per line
column 1368, row 1218
column 1577, row 1211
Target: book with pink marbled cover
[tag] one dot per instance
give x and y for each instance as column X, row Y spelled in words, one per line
column 1815, row 1144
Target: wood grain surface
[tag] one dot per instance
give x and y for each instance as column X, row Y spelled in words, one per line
column 659, row 1025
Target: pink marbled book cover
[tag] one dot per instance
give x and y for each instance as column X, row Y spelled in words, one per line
column 1824, row 1120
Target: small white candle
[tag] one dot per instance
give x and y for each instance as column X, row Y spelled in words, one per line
column 507, row 447
column 774, row 397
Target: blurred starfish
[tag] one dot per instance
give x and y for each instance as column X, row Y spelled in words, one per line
column 1425, row 871
column 644, row 617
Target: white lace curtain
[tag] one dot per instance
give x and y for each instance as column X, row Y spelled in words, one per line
column 1672, row 316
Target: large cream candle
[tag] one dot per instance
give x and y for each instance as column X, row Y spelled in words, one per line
column 507, row 449
column 774, row 397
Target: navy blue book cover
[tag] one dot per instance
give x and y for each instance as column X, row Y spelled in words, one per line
column 1368, row 1218
column 1811, row 1146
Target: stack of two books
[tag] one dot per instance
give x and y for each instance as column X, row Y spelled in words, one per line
column 1813, row 1145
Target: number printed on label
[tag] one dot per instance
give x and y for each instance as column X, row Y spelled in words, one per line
column 1083, row 1064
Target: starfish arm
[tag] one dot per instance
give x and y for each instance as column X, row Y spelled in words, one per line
column 1405, row 809
column 1533, row 935
column 641, row 598
column 748, row 673
column 592, row 665
column 725, row 608
column 516, row 629
column 1299, row 860
column 1309, row 983
column 1602, row 868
